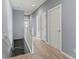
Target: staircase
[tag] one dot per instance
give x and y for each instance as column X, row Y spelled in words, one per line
column 18, row 47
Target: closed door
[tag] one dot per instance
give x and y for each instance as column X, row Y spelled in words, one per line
column 54, row 27
column 43, row 26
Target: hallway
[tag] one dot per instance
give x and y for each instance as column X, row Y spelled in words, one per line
column 41, row 29
column 43, row 51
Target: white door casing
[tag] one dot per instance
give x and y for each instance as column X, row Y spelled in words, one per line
column 55, row 27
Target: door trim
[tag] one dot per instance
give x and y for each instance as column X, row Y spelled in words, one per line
column 50, row 10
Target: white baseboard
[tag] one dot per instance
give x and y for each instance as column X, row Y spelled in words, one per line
column 70, row 57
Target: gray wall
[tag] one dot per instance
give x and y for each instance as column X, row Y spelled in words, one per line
column 7, row 33
column 18, row 24
column 27, row 34
column 43, row 8
column 69, row 26
column 68, row 17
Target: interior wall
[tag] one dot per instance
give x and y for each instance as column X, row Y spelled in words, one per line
column 18, row 24
column 43, row 9
column 7, row 32
column 69, row 26
column 33, row 24
column 68, row 23
column 27, row 33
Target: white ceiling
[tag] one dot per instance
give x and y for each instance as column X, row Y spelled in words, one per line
column 29, row 6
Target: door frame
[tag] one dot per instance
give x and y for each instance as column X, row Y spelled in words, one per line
column 57, row 6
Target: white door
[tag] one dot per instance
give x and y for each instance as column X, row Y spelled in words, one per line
column 43, row 26
column 54, row 27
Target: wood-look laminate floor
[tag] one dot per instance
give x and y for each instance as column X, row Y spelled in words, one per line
column 42, row 50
